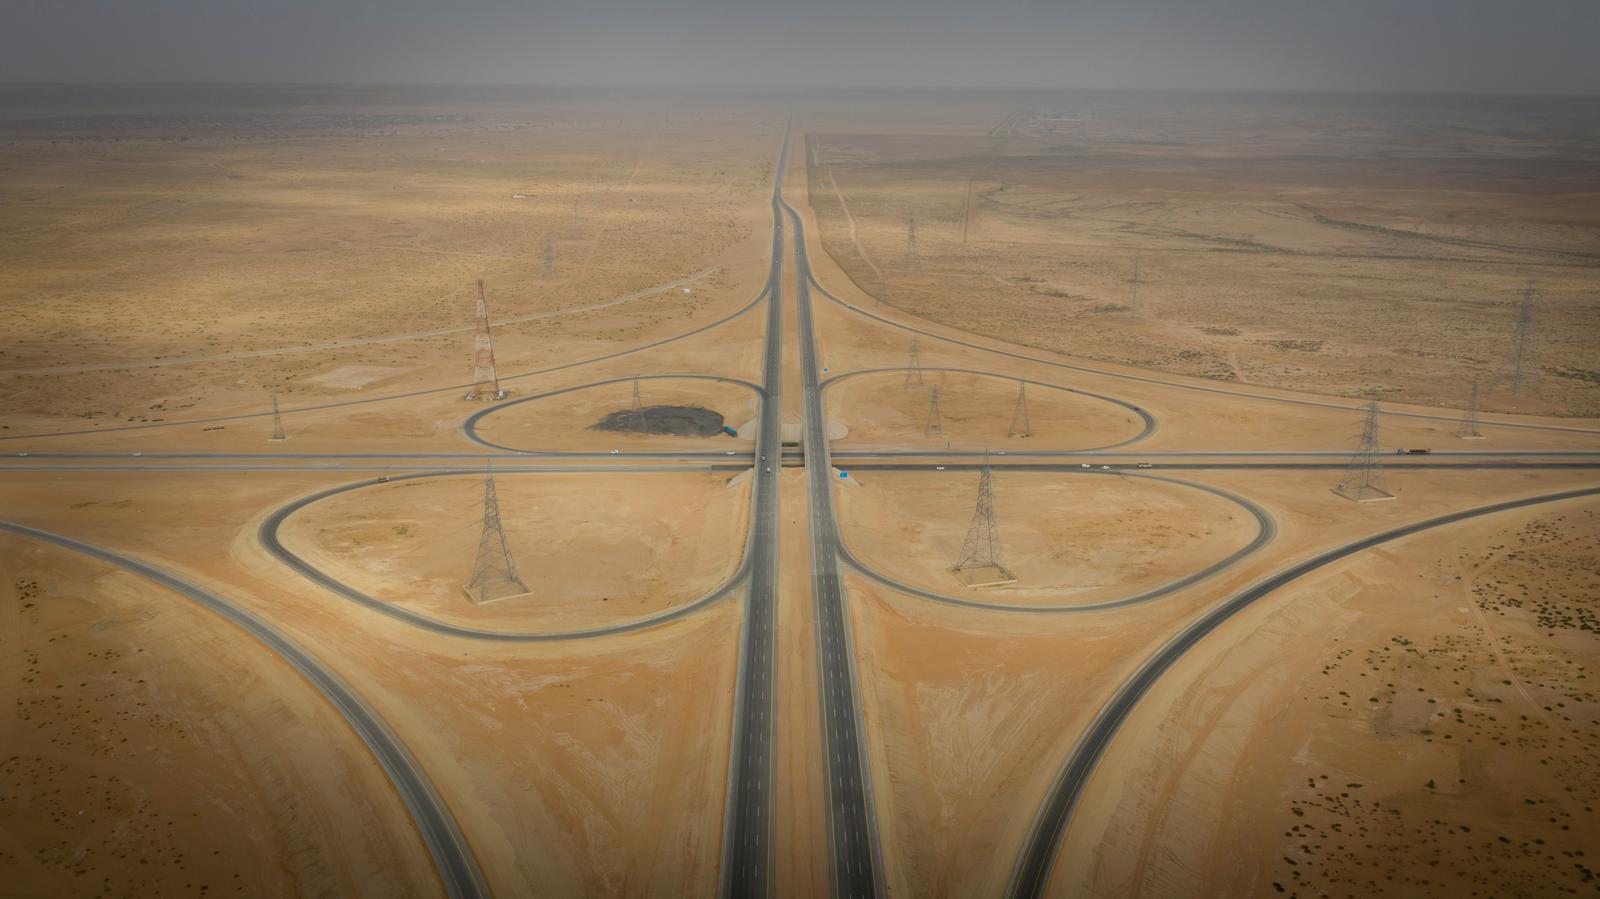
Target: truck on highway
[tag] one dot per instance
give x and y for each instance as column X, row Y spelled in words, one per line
column 1412, row 452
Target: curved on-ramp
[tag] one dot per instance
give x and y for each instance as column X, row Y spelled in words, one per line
column 1166, row 382
column 1266, row 529
column 470, row 427
column 1031, row 874
column 452, row 857
column 1146, row 419
column 268, row 535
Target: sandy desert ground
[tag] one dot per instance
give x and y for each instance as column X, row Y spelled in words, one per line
column 1434, row 735
column 1338, row 245
column 176, row 260
column 124, row 691
column 590, row 553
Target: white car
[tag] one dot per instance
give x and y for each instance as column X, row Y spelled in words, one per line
column 1086, row 465
column 729, row 453
column 999, row 452
column 615, row 452
column 769, row 469
column 22, row 454
column 938, row 468
column 1105, row 468
column 136, row 454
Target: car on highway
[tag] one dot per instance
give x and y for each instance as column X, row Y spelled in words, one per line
column 22, row 454
column 769, row 469
column 614, row 452
column 1105, row 468
column 1146, row 465
column 136, row 453
column 383, row 479
column 938, row 468
column 1085, row 465
column 729, row 453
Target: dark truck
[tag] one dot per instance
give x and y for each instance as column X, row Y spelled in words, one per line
column 1412, row 452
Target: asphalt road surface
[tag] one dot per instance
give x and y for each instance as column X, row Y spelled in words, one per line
column 267, row 533
column 1266, row 529
column 1032, row 872
column 452, row 857
column 852, row 822
column 748, row 850
column 470, row 426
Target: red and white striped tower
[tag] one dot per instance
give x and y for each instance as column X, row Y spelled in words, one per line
column 485, row 382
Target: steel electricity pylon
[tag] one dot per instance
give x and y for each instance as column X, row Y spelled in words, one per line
column 1468, row 429
column 981, row 562
column 935, row 423
column 278, row 433
column 911, row 263
column 1522, row 364
column 636, row 422
column 1363, row 481
column 914, row 365
column 485, row 381
column 1019, row 414
column 494, row 573
column 549, row 258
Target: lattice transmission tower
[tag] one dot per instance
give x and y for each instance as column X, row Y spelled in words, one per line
column 935, row 423
column 1468, row 429
column 1522, row 364
column 636, row 422
column 1363, row 480
column 278, row 433
column 549, row 258
column 911, row 263
column 1019, row 414
column 485, row 381
column 494, row 573
column 982, row 563
column 914, row 365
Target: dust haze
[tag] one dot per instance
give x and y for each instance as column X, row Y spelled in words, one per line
column 763, row 450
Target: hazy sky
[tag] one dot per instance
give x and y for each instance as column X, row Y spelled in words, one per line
column 1426, row 45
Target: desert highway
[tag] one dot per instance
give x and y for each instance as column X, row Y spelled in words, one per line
column 747, row 849
column 853, row 837
column 1031, row 874
column 452, row 857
